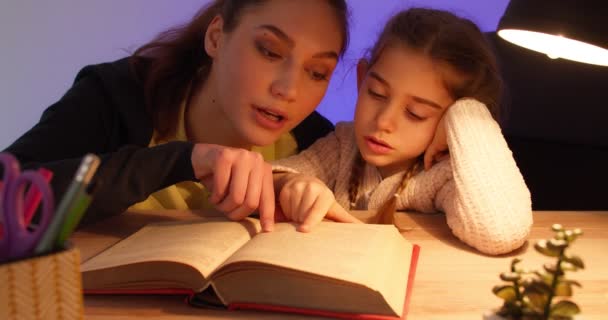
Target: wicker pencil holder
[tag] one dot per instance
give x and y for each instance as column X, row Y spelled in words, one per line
column 44, row 287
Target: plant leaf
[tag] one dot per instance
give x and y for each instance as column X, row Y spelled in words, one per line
column 556, row 244
column 514, row 262
column 549, row 267
column 541, row 247
column 567, row 266
column 536, row 297
column 564, row 308
column 545, row 277
column 505, row 292
column 573, row 282
column 563, row 289
column 575, row 260
column 540, row 286
column 532, row 313
column 510, row 276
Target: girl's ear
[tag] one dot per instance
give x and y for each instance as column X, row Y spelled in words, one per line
column 362, row 68
column 213, row 36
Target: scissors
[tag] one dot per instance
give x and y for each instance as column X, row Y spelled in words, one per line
column 16, row 240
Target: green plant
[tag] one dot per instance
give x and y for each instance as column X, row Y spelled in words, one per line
column 541, row 295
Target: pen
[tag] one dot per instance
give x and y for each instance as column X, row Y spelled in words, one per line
column 83, row 200
column 83, row 176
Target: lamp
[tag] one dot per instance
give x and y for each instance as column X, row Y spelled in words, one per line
column 569, row 29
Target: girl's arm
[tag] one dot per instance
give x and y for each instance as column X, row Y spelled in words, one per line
column 320, row 160
column 303, row 183
column 480, row 189
column 306, row 200
column 487, row 204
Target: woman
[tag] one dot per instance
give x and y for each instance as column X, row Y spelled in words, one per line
column 189, row 105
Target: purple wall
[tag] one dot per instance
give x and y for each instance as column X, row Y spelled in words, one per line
column 45, row 43
column 368, row 18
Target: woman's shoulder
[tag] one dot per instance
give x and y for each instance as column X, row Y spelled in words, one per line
column 116, row 73
column 116, row 84
column 117, row 80
column 312, row 128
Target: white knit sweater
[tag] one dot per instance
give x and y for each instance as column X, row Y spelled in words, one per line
column 480, row 189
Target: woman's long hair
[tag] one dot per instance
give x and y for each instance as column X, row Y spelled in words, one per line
column 176, row 59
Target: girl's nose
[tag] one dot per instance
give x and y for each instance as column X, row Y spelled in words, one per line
column 285, row 86
column 386, row 118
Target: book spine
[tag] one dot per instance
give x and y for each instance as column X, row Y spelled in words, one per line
column 308, row 312
column 168, row 291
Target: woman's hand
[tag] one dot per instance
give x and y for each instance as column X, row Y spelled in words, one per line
column 438, row 149
column 307, row 200
column 240, row 181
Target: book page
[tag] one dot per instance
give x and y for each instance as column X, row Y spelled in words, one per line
column 375, row 256
column 202, row 244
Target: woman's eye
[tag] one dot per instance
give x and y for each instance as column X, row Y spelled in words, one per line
column 413, row 116
column 375, row 94
column 268, row 53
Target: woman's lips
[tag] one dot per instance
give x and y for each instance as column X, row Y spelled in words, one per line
column 270, row 118
column 377, row 146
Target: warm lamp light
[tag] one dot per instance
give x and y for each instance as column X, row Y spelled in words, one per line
column 568, row 29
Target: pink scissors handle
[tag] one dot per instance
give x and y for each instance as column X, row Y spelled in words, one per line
column 21, row 241
column 11, row 171
column 33, row 196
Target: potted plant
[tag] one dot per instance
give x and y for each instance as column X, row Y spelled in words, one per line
column 541, row 295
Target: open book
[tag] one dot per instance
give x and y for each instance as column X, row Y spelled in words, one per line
column 340, row 270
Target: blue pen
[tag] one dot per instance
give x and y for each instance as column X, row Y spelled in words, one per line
column 85, row 172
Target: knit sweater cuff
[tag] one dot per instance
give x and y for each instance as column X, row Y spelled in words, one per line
column 283, row 169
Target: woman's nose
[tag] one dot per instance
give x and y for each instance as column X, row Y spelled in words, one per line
column 285, row 86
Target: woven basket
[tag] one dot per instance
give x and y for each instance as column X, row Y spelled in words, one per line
column 45, row 287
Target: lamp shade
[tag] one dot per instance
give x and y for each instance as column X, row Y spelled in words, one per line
column 574, row 30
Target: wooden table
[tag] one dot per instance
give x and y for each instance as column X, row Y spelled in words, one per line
column 453, row 281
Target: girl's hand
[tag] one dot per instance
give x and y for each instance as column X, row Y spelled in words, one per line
column 307, row 200
column 438, row 149
column 240, row 181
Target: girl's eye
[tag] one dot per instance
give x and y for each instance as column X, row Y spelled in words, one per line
column 375, row 94
column 318, row 76
column 413, row 116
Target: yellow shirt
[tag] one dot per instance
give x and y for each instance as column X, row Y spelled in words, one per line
column 193, row 195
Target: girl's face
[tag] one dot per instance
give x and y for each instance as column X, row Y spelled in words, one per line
column 273, row 69
column 401, row 100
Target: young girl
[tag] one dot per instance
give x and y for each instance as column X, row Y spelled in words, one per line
column 429, row 85
column 189, row 105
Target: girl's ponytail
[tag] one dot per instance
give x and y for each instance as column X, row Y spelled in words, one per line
column 386, row 213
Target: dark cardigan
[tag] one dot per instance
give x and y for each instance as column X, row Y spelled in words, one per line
column 104, row 113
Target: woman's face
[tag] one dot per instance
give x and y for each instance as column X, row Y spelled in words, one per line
column 401, row 99
column 273, row 69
